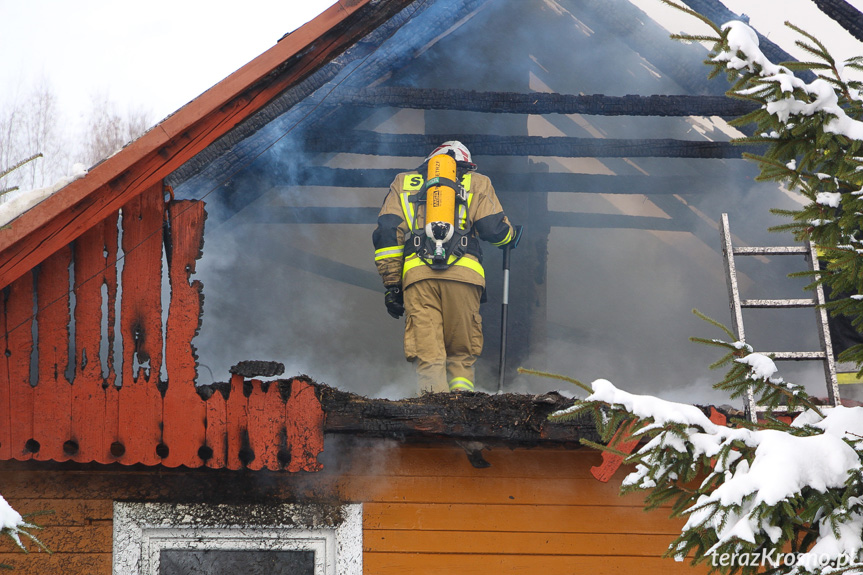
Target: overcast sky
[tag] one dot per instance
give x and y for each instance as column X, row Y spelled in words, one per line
column 155, row 55
column 160, row 54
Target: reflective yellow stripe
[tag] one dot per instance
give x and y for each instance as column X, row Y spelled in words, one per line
column 390, row 252
column 460, row 383
column 504, row 240
column 414, row 260
column 463, row 211
column 848, row 378
column 408, row 209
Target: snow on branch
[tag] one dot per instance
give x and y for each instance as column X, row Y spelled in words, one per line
column 747, row 489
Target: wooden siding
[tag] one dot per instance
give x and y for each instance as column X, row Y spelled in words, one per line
column 426, row 510
column 96, row 393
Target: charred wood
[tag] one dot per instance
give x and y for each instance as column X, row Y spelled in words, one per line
column 844, row 14
column 513, row 419
column 719, row 14
column 545, row 103
column 525, row 181
column 369, row 215
column 418, row 145
column 255, row 368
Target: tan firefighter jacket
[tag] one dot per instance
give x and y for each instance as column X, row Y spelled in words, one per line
column 401, row 214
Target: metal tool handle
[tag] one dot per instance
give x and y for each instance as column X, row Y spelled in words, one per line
column 503, row 318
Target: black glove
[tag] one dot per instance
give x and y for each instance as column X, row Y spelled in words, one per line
column 394, row 299
column 511, row 244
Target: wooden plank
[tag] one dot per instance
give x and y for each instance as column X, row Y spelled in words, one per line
column 41, row 563
column 453, row 416
column 52, row 396
column 520, row 182
column 402, row 145
column 5, row 386
column 487, row 490
column 94, row 263
column 19, row 346
column 237, row 436
column 161, row 484
column 845, row 14
column 66, row 540
column 528, row 518
column 547, row 103
column 111, row 427
column 184, row 412
column 479, row 564
column 64, row 512
column 265, row 420
column 514, row 543
column 217, row 430
column 447, row 460
column 304, row 427
column 140, row 413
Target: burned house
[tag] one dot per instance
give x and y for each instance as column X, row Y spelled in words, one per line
column 158, row 313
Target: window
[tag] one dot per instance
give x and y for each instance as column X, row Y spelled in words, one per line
column 174, row 539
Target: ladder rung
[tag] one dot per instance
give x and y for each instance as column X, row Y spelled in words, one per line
column 770, row 250
column 796, row 355
column 777, row 303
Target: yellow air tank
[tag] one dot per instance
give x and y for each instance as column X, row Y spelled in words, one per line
column 440, row 202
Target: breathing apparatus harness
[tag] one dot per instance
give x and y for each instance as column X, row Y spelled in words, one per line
column 446, row 236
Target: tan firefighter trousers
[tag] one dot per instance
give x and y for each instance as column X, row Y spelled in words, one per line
column 443, row 332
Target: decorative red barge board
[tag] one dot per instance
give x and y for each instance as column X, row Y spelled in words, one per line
column 63, row 397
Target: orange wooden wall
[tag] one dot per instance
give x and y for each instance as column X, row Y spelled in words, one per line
column 427, row 511
column 58, row 402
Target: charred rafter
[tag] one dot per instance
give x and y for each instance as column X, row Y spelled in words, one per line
column 545, row 103
column 418, row 145
column 719, row 14
column 320, row 215
column 844, row 14
column 518, row 182
column 512, row 418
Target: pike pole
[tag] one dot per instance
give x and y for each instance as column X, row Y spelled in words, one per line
column 503, row 318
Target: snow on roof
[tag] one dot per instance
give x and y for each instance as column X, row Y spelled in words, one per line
column 15, row 203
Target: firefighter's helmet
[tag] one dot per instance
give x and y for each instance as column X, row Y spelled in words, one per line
column 453, row 148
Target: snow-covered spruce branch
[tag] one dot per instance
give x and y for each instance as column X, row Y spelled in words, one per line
column 788, row 494
column 813, row 135
column 745, row 491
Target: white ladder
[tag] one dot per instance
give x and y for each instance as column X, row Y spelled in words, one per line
column 737, row 305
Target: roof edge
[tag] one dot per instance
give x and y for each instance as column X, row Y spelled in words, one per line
column 65, row 215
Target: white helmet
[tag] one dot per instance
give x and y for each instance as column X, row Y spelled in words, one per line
column 454, row 148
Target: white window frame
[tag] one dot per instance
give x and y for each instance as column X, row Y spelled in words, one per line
column 143, row 530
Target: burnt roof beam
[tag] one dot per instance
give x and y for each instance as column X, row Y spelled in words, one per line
column 334, row 270
column 719, row 14
column 527, row 182
column 548, row 103
column 843, row 14
column 418, row 145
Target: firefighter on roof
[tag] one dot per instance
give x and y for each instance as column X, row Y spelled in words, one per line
column 428, row 254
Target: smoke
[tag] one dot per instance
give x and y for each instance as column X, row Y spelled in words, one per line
column 288, row 268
